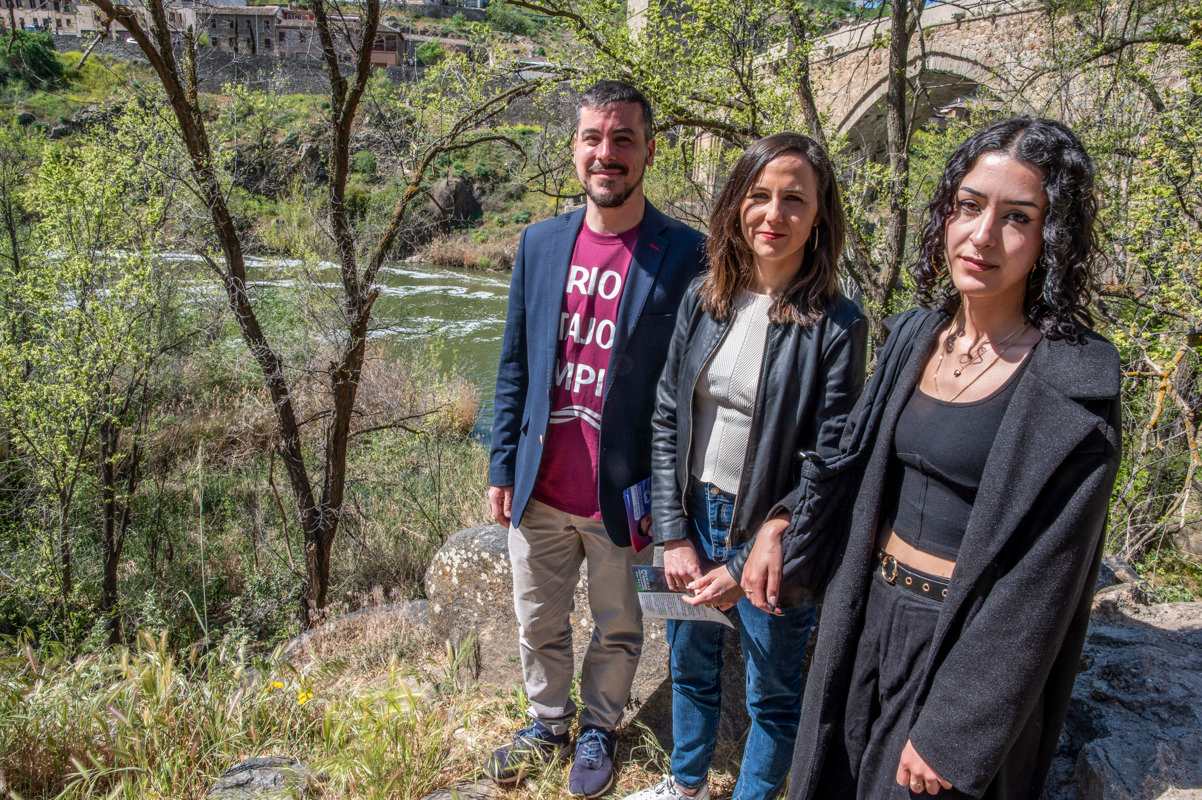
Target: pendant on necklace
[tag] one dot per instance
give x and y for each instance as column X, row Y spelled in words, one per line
column 957, row 372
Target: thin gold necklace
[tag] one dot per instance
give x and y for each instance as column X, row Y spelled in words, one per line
column 997, row 355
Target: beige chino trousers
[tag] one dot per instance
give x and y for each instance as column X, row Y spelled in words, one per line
column 545, row 553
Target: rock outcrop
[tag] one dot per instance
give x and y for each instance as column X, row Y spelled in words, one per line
column 455, row 201
column 470, row 588
column 268, row 778
column 1134, row 729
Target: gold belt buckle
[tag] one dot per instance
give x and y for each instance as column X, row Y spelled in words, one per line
column 888, row 561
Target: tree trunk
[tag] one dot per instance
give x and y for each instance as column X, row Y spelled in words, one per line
column 805, row 89
column 88, row 50
column 66, row 578
column 111, row 536
column 319, row 544
column 903, row 21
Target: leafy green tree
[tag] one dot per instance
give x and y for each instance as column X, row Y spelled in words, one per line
column 74, row 388
column 18, row 158
column 1138, row 104
column 30, row 58
column 452, row 108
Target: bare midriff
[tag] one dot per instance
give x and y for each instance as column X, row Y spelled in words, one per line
column 914, row 558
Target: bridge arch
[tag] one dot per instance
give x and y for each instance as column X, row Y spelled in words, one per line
column 943, row 78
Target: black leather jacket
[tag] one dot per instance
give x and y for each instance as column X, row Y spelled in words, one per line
column 809, row 380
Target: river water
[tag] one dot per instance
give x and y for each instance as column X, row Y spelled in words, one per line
column 463, row 311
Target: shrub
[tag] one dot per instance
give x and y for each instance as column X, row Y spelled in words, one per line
column 429, row 53
column 364, row 162
column 154, row 723
column 507, row 19
column 30, row 58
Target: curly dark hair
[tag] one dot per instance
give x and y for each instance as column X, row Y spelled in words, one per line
column 805, row 299
column 1060, row 287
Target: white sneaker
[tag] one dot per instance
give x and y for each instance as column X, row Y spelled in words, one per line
column 668, row 790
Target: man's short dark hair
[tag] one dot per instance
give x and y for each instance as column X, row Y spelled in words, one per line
column 604, row 93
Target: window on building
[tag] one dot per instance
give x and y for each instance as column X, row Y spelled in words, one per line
column 282, row 39
column 266, row 42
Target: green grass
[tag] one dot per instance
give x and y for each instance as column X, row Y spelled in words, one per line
column 155, row 723
column 376, row 712
column 101, row 81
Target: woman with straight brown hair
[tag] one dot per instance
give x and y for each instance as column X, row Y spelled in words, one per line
column 766, row 361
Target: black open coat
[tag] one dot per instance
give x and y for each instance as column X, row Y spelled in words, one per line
column 999, row 673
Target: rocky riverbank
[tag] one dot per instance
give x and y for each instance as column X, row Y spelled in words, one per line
column 1134, row 728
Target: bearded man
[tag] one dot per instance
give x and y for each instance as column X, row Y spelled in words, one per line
column 591, row 309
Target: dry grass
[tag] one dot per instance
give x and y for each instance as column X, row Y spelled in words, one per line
column 460, row 251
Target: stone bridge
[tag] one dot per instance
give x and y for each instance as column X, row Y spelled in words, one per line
column 980, row 48
column 973, row 48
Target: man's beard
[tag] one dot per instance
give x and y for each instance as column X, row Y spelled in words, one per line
column 612, row 200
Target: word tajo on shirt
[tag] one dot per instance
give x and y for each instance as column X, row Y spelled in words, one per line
column 587, row 332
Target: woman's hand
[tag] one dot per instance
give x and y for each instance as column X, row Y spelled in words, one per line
column 681, row 564
column 715, row 588
column 916, row 774
column 761, row 573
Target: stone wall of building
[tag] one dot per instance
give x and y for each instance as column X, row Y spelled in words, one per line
column 215, row 68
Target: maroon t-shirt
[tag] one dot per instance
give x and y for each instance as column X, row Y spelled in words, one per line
column 567, row 476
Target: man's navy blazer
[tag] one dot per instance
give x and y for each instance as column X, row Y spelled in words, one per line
column 666, row 257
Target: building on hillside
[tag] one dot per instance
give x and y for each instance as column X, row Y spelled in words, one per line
column 52, row 16
column 296, row 35
column 181, row 15
column 388, row 50
column 247, row 30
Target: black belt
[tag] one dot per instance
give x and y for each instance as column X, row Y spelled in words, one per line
column 898, row 574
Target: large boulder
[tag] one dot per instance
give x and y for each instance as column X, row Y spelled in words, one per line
column 1134, row 728
column 470, row 588
column 455, row 202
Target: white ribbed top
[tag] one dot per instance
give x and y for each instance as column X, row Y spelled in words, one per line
column 725, row 395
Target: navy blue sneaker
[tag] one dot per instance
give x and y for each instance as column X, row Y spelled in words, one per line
column 593, row 766
column 531, row 747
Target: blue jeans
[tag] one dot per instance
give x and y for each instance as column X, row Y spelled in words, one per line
column 773, row 649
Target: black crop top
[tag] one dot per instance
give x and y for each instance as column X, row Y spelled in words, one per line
column 939, row 452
